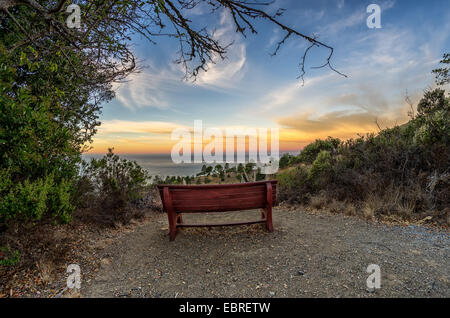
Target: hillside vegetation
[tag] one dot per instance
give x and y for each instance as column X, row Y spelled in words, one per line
column 400, row 172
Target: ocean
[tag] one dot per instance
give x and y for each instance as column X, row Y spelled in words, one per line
column 160, row 164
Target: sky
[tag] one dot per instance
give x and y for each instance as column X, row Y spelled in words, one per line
column 252, row 89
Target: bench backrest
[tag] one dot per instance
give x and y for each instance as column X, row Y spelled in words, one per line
column 219, row 197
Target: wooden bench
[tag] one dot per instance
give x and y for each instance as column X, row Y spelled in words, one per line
column 178, row 199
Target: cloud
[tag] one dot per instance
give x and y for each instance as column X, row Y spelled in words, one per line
column 148, row 88
column 292, row 93
column 225, row 73
column 137, row 127
column 381, row 65
column 342, row 124
column 155, row 85
column 135, row 136
column 357, row 17
column 196, row 9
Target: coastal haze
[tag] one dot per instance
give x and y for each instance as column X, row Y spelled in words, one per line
column 157, row 164
column 161, row 164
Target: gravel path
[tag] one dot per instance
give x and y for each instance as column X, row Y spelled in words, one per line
column 308, row 255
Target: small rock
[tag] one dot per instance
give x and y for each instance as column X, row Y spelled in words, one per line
column 271, row 293
column 300, row 272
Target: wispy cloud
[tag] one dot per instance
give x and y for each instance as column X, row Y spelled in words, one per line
column 155, row 85
column 382, row 66
column 225, row 73
column 343, row 124
column 149, row 88
column 135, row 136
column 293, row 93
column 356, row 18
column 139, row 127
column 243, row 91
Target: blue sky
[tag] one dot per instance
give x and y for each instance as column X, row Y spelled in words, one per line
column 252, row 89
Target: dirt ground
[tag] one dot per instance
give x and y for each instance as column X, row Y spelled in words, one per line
column 308, row 255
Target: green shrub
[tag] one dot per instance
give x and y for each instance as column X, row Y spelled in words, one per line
column 9, row 258
column 310, row 152
column 285, row 160
column 433, row 119
column 60, row 200
column 116, row 181
column 25, row 200
column 293, row 184
column 115, row 188
column 39, row 151
column 321, row 172
column 32, row 200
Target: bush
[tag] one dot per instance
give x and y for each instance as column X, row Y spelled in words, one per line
column 9, row 257
column 115, row 186
column 118, row 178
column 292, row 184
column 32, row 200
column 310, row 152
column 321, row 172
column 285, row 160
column 39, row 151
column 401, row 171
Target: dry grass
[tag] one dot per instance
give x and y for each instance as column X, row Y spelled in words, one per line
column 368, row 211
column 390, row 200
column 45, row 270
column 319, row 201
column 350, row 209
column 406, row 209
column 336, row 206
column 372, row 205
column 399, row 204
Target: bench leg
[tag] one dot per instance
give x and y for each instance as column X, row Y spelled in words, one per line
column 172, row 225
column 180, row 218
column 269, row 224
column 170, row 213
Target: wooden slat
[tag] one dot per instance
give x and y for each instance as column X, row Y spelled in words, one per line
column 220, row 207
column 206, row 197
column 221, row 224
column 211, row 193
column 217, row 187
column 213, row 199
column 214, row 194
column 218, row 197
column 207, row 186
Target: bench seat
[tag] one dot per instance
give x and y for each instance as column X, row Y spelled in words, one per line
column 178, row 199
